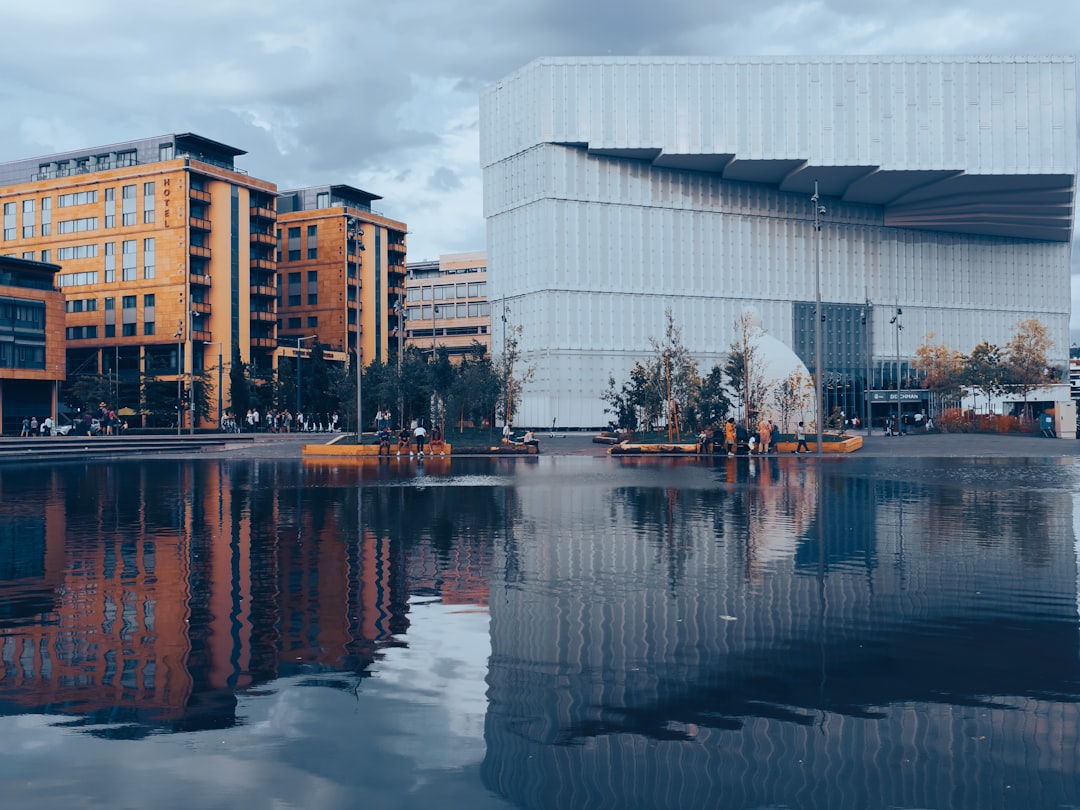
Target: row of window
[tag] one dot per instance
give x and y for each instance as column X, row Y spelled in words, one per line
column 129, row 214
column 294, row 248
column 128, row 264
column 473, row 309
column 448, row 292
column 22, row 334
column 128, row 317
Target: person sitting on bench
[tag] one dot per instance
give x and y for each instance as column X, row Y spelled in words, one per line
column 529, row 440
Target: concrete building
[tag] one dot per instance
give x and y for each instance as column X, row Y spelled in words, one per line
column 618, row 188
column 447, row 304
column 166, row 252
column 31, row 342
column 326, row 234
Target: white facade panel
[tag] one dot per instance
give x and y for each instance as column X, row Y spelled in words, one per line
column 609, row 197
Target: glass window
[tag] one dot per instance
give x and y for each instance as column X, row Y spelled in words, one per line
column 462, row 310
column 294, row 323
column 322, row 199
column 426, row 293
column 149, row 328
column 413, row 294
column 312, row 322
column 461, row 291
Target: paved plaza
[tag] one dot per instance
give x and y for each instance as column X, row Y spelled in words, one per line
column 933, row 445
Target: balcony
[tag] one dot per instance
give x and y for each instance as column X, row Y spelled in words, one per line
column 263, row 291
column 198, row 224
column 199, row 334
column 263, row 316
column 257, row 212
column 201, row 196
column 199, row 250
column 258, row 238
column 264, row 264
column 201, row 307
column 264, row 343
column 199, row 280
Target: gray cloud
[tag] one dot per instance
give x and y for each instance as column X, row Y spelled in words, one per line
column 383, row 96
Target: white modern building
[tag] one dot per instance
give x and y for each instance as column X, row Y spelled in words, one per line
column 618, row 188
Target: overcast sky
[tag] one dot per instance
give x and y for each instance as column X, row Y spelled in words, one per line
column 384, row 96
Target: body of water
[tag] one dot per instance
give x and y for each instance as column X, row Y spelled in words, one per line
column 551, row 632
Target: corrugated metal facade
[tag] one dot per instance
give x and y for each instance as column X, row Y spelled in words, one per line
column 615, row 189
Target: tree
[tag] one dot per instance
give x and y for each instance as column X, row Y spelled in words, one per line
column 239, row 388
column 745, row 369
column 1026, row 362
column 714, row 404
column 620, row 404
column 674, row 371
column 941, row 368
column 512, row 377
column 983, row 370
column 792, row 396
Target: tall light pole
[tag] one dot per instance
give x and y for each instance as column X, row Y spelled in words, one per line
column 434, row 312
column 399, row 306
column 179, row 335
column 819, row 209
column 896, row 322
column 218, row 344
column 868, row 336
column 356, row 232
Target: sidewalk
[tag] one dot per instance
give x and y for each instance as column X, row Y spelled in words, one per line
column 922, row 445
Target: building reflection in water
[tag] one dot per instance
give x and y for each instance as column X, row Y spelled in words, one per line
column 778, row 637
column 126, row 599
column 748, row 632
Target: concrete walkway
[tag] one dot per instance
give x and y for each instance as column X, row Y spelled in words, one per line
column 936, row 445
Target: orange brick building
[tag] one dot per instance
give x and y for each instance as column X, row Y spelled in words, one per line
column 447, row 304
column 31, row 341
column 166, row 252
column 327, row 237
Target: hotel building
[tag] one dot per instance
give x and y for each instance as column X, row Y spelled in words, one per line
column 616, row 189
column 328, row 238
column 166, row 251
column 447, row 304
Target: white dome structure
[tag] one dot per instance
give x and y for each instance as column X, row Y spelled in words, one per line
column 775, row 363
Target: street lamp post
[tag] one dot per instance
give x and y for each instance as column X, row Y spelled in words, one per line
column 896, row 322
column 434, row 312
column 179, row 335
column 402, row 317
column 218, row 344
column 819, row 209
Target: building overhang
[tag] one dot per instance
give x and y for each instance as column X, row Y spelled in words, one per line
column 1024, row 206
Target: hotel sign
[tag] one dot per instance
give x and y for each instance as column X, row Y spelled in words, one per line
column 914, row 395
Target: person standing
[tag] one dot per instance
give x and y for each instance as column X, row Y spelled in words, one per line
column 33, row 427
column 800, row 436
column 420, row 437
column 730, row 436
column 764, row 436
column 25, row 428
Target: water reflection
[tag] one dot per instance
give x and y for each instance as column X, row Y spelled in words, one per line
column 782, row 631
